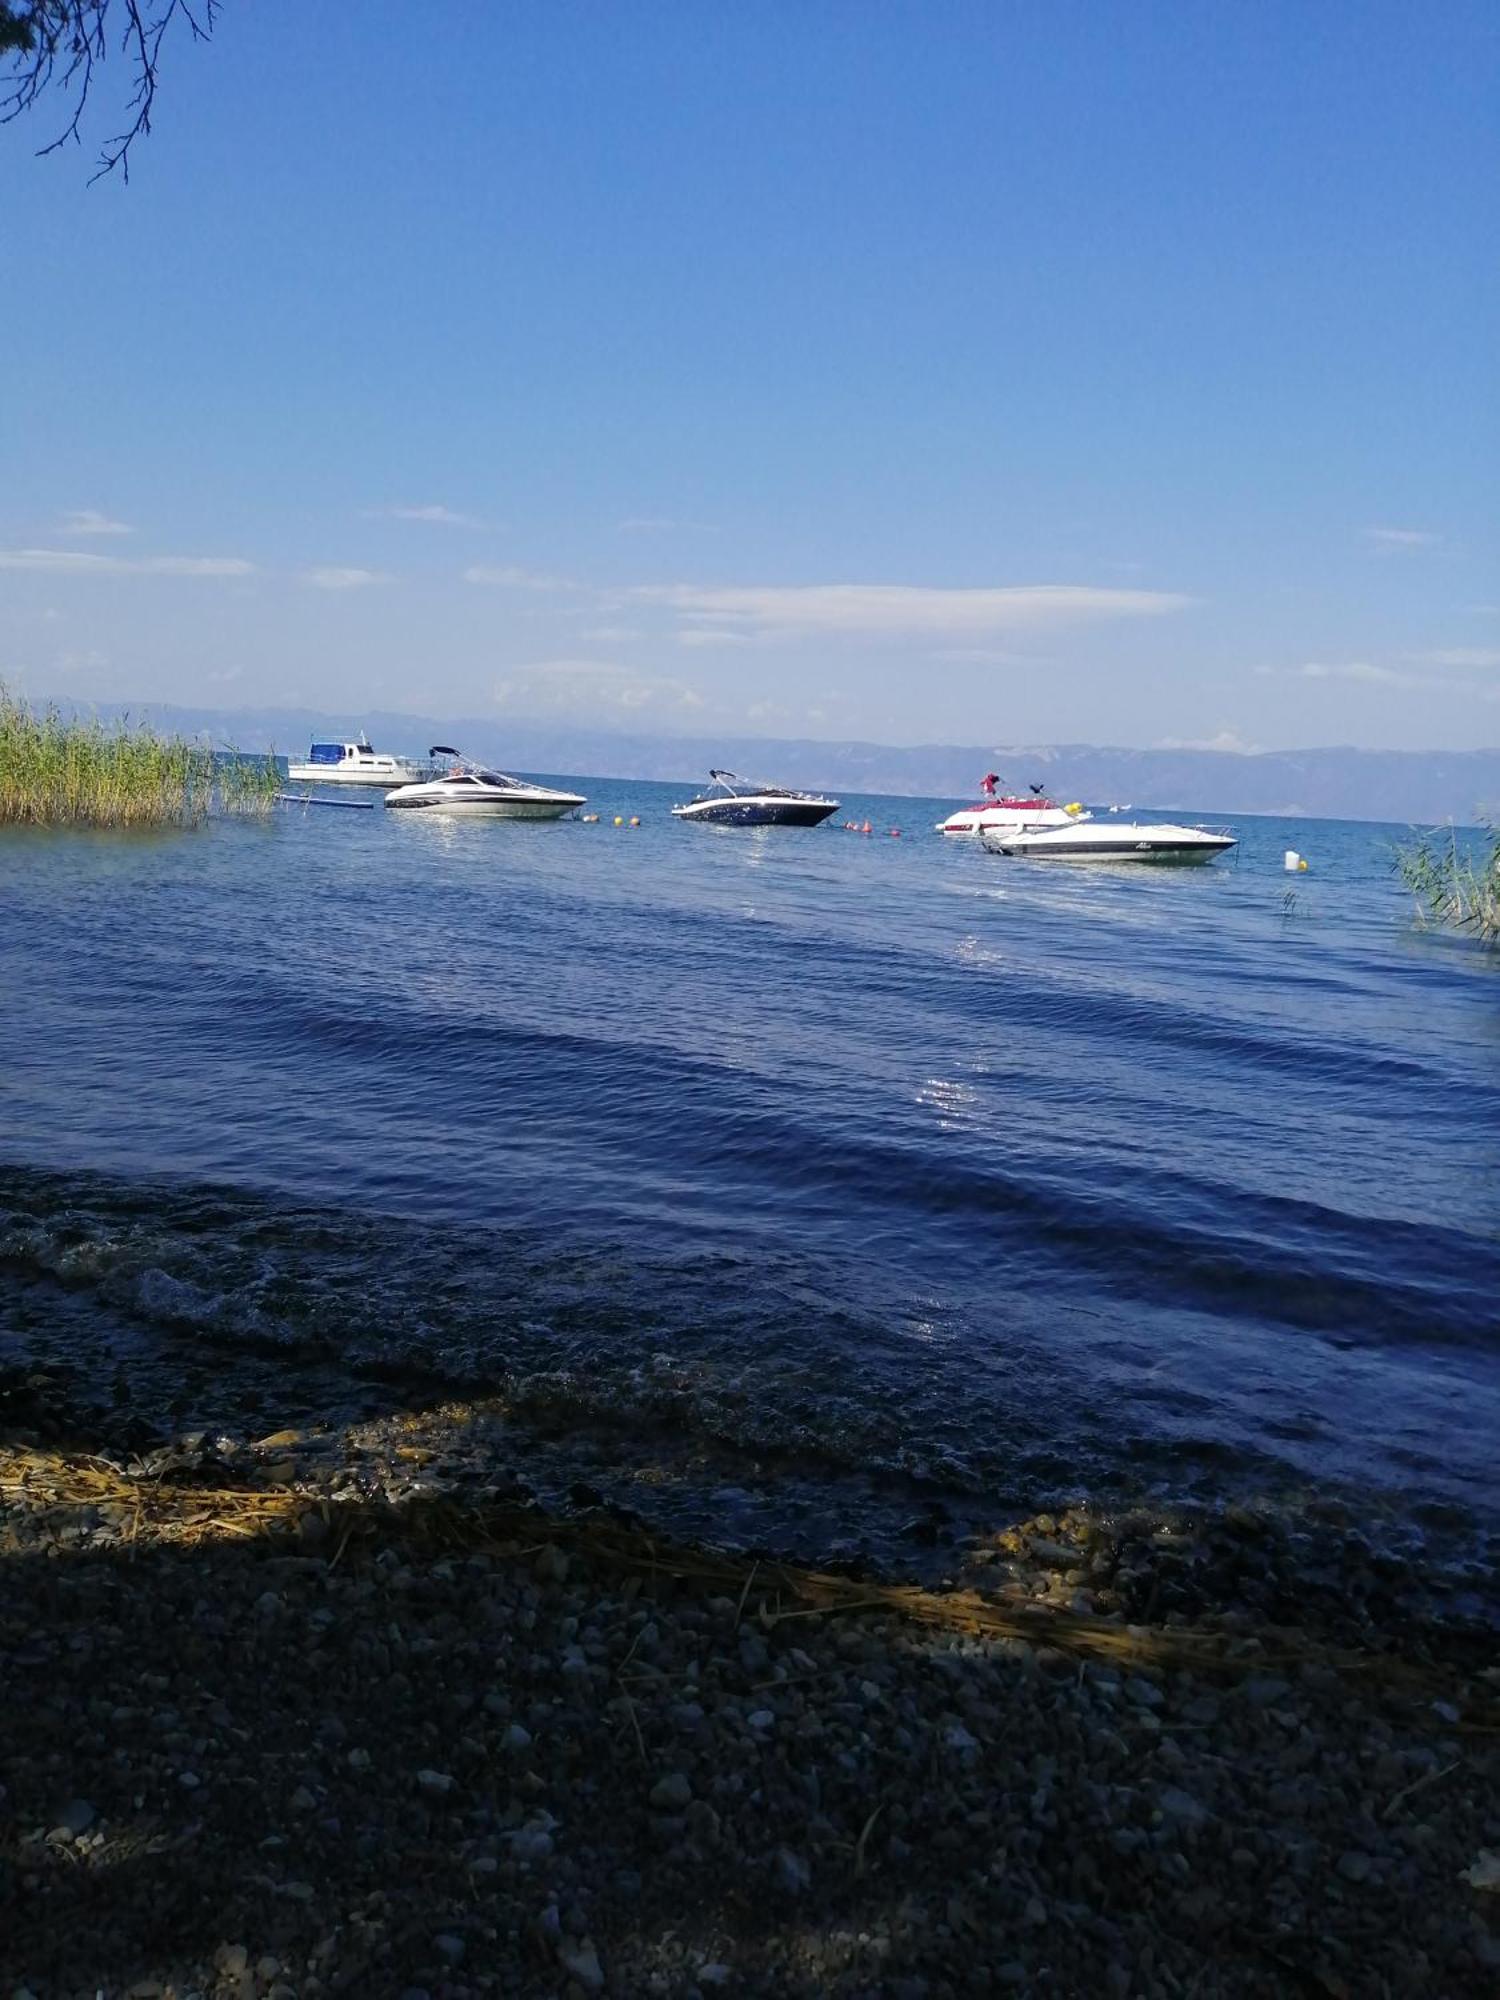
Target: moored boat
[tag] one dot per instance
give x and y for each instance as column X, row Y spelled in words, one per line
column 474, row 791
column 1088, row 839
column 1007, row 812
column 731, row 801
column 358, row 763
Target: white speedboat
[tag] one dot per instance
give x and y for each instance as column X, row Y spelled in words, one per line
column 1089, row 839
column 1007, row 813
column 355, row 764
column 730, row 801
column 473, row 791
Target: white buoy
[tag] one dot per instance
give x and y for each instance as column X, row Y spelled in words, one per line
column 1293, row 861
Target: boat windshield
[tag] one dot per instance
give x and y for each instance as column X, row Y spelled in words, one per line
column 725, row 785
column 499, row 778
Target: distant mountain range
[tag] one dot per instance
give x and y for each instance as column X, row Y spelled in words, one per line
column 1427, row 787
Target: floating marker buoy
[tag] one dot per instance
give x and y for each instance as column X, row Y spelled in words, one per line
column 895, row 833
column 1293, row 861
column 635, row 820
column 1303, row 866
column 619, row 821
column 867, row 828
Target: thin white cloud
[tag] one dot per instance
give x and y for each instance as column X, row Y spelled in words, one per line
column 1374, row 673
column 331, row 577
column 1402, row 538
column 904, row 610
column 590, row 688
column 610, row 635
column 661, row 524
column 1355, row 670
column 89, row 521
column 80, row 562
column 507, row 576
column 1459, row 656
column 986, row 656
column 712, row 635
column 439, row 516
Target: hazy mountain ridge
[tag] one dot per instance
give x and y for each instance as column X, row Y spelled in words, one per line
column 1417, row 787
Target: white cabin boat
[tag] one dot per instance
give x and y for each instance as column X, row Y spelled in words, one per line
column 357, row 763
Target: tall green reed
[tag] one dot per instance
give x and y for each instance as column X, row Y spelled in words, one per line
column 66, row 770
column 1458, row 889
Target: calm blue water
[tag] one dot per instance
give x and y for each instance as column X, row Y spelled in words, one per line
column 807, row 1175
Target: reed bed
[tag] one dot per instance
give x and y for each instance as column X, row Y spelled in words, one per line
column 1460, row 891
column 66, row 770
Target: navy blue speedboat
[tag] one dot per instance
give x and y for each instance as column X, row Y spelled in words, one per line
column 731, row 801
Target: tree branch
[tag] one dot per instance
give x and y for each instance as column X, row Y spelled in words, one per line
column 52, row 47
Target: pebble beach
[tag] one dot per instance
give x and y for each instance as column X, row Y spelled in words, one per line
column 275, row 1731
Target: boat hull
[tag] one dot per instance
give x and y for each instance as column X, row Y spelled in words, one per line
column 335, row 774
column 1164, row 846
column 487, row 808
column 752, row 812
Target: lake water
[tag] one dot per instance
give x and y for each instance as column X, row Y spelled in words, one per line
column 811, row 1179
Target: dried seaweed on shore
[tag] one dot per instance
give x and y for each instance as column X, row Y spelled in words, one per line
column 56, row 1491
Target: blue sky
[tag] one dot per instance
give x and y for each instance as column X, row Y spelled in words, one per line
column 919, row 372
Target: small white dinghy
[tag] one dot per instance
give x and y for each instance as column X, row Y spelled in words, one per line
column 1088, row 839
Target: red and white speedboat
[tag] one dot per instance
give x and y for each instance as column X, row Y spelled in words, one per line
column 1006, row 814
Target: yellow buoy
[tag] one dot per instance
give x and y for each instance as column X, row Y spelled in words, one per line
column 618, row 820
column 635, row 819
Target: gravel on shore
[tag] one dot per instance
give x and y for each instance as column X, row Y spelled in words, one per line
column 343, row 1747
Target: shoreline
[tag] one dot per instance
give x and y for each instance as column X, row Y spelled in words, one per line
column 277, row 1742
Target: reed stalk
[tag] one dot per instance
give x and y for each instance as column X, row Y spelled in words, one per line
column 66, row 770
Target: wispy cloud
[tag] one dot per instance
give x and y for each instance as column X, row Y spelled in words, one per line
column 1459, row 656
column 1355, row 670
column 1395, row 539
column 592, row 688
column 713, row 635
column 661, row 524
column 1370, row 672
column 986, row 656
column 331, row 577
column 80, row 562
column 903, row 610
column 89, row 521
column 1432, row 672
column 507, row 576
column 438, row 516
